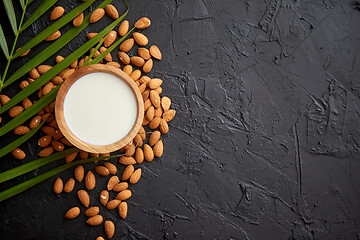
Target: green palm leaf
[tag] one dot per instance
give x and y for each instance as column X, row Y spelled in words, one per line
column 8, row 148
column 3, row 43
column 22, row 3
column 11, row 14
column 28, row 167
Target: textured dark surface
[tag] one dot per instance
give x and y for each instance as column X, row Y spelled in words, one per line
column 265, row 143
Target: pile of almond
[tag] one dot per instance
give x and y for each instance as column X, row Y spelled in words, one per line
column 146, row 145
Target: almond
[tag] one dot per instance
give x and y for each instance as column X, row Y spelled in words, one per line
column 58, row 146
column 140, row 39
column 137, row 61
column 59, row 58
column 15, row 111
column 57, row 12
column 144, row 53
column 138, row 142
column 78, row 20
column 158, row 90
column 109, row 229
column 128, row 69
column 100, row 238
column 91, row 35
column 110, row 38
column 150, row 113
column 43, row 68
column 123, row 195
column 4, row 99
column 139, row 155
column 58, row 186
column 112, row 11
column 127, row 160
column 130, row 151
column 112, row 182
column 95, row 220
column 97, row 15
column 155, row 83
column 135, row 177
column 121, row 186
column 84, row 155
column 142, row 133
column 72, row 213
column 111, row 167
column 154, row 138
column 122, row 209
column 66, row 142
column 71, row 157
column 68, row 73
column 74, row 64
column 44, row 141
column 148, row 153
column 108, row 56
column 69, row 185
column 165, row 103
column 34, row 74
column 90, row 180
column 21, row 130
column 158, row 148
column 142, row 87
column 24, row 84
column 169, row 115
column 147, row 104
column 47, row 88
column 142, row 23
column 114, row 64
column 128, row 171
column 101, row 170
column 135, row 75
column 145, row 122
column 46, row 152
column 146, row 94
column 127, row 45
column 48, row 117
column 25, row 53
column 84, row 197
column 53, row 36
column 48, row 130
column 18, row 153
column 57, row 80
column 104, row 197
column 155, row 52
column 164, row 127
column 124, row 58
column 113, row 204
column 144, row 79
column 58, row 135
column 155, row 98
column 148, row 66
column 91, row 212
column 123, row 28
column 26, row 103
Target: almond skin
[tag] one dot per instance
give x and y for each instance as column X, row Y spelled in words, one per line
column 34, row 74
column 78, row 20
column 148, row 153
column 112, row 11
column 26, row 103
column 123, row 195
column 112, row 182
column 15, row 111
column 83, row 197
column 110, row 38
column 21, row 130
column 144, row 53
column 130, row 151
column 53, row 36
column 127, row 160
column 111, row 167
column 43, row 68
column 154, row 138
column 142, row 23
column 137, row 61
column 163, row 126
column 57, row 12
column 93, row 211
column 113, row 204
column 58, row 186
column 148, row 66
column 101, row 170
column 128, row 171
column 18, row 153
column 158, row 112
column 71, row 157
column 121, row 186
column 91, row 35
column 169, row 115
column 123, row 28
column 124, row 58
column 165, row 103
column 135, row 177
column 126, row 45
column 139, row 155
column 122, row 209
column 140, row 39
column 48, row 130
column 72, row 213
column 109, row 229
column 58, row 146
column 137, row 141
column 100, row 238
column 155, row 83
column 44, row 141
column 150, row 113
column 79, row 173
column 94, row 221
column 4, row 99
column 114, row 64
column 97, row 15
column 90, row 180
column 104, row 197
column 57, row 80
column 155, row 98
column 135, row 75
column 128, row 69
column 46, row 152
column 69, row 185
column 24, row 84
column 158, row 148
column 155, row 52
column 108, row 56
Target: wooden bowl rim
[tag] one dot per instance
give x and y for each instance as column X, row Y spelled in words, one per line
column 59, row 109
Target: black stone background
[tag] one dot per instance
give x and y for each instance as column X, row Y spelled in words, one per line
column 265, row 143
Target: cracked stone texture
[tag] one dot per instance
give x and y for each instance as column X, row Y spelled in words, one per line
column 265, row 143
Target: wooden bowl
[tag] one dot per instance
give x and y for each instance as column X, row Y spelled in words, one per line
column 59, row 109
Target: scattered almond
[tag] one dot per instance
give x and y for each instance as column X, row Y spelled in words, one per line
column 155, row 52
column 21, row 130
column 15, row 111
column 110, row 38
column 101, row 170
column 25, row 53
column 135, row 177
column 121, row 186
column 84, row 197
column 71, row 157
column 158, row 149
column 142, row 23
column 57, row 12
column 108, row 56
column 109, row 229
column 97, row 15
column 72, row 213
column 126, row 45
column 111, row 167
column 46, row 152
column 155, row 83
column 113, row 204
column 144, row 53
column 18, row 153
column 148, row 66
column 128, row 69
column 112, row 11
column 164, row 127
column 78, row 20
column 112, row 182
column 124, row 58
column 104, row 197
column 4, row 99
column 154, row 138
column 53, row 36
column 169, row 115
column 44, row 141
column 94, row 221
column 123, row 195
column 135, row 75
column 139, row 155
column 155, row 98
column 123, row 28
column 69, row 185
column 91, row 212
column 90, row 180
column 127, row 160
column 58, row 186
column 26, row 103
column 140, row 38
column 148, row 153
column 42, row 69
column 79, row 173
column 122, row 209
column 24, row 84
column 128, row 171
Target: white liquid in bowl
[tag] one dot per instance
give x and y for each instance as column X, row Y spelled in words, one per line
column 100, row 108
